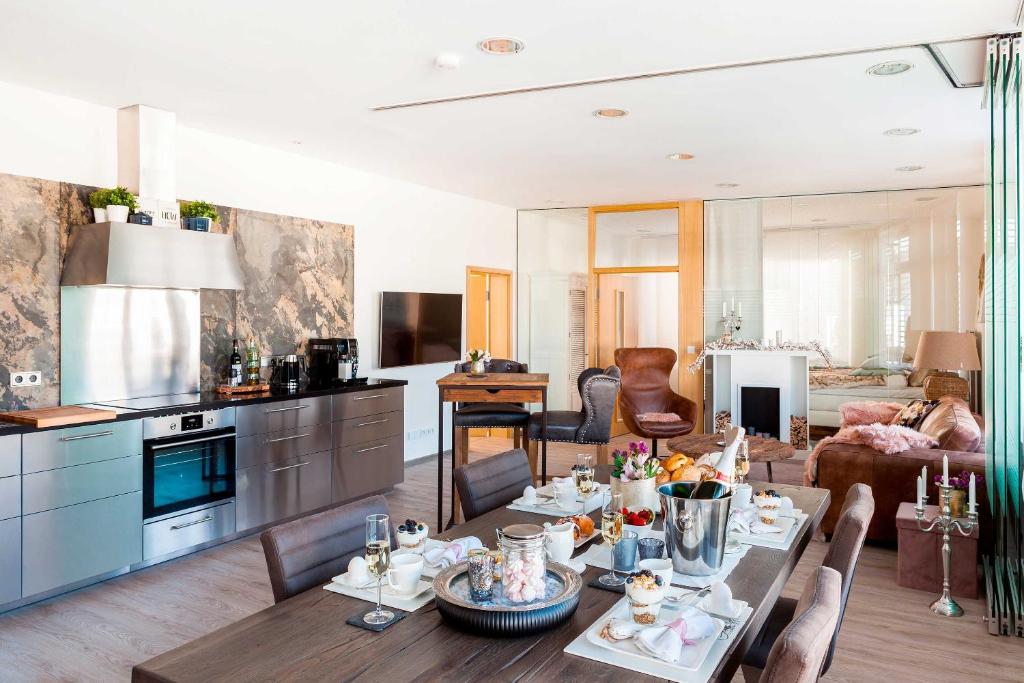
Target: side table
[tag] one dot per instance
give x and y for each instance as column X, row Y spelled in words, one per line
column 919, row 562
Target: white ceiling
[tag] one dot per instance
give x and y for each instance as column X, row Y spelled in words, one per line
column 313, row 70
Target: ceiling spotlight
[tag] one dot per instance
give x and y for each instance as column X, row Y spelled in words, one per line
column 899, row 132
column 611, row 113
column 908, row 169
column 727, row 184
column 448, row 60
column 890, row 68
column 502, row 46
column 680, row 156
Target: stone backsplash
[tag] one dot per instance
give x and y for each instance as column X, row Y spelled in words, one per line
column 298, row 276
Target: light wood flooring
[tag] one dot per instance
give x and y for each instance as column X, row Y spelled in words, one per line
column 99, row 632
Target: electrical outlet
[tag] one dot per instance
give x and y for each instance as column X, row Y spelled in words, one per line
column 26, row 378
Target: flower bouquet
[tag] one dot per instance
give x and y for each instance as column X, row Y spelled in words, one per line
column 633, row 475
column 478, row 359
column 958, row 492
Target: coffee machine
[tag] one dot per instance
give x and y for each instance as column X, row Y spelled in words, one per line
column 333, row 361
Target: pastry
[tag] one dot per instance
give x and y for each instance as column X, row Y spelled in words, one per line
column 674, row 462
column 645, row 591
column 662, row 476
column 583, row 526
column 688, row 473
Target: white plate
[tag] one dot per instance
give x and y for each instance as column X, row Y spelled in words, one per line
column 784, row 524
column 734, row 611
column 421, row 586
column 692, row 656
column 343, row 579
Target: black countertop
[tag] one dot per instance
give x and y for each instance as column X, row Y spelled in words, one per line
column 210, row 400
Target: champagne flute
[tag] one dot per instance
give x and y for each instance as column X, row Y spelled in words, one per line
column 743, row 462
column 611, row 532
column 378, row 559
column 583, row 477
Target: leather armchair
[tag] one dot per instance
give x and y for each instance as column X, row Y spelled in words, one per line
column 645, row 389
column 592, row 424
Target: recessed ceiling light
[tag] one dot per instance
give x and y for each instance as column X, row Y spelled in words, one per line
column 818, row 220
column 680, row 156
column 610, row 113
column 727, row 184
column 909, row 168
column 448, row 61
column 890, row 68
column 502, row 46
column 899, row 132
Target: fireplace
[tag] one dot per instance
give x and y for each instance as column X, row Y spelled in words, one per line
column 760, row 408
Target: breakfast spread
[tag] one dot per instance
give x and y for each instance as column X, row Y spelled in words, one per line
column 645, row 591
column 412, row 535
column 768, row 503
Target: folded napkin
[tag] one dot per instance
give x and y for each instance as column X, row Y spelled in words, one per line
column 658, row 417
column 747, row 522
column 666, row 642
column 447, row 555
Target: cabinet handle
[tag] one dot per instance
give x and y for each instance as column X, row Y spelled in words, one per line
column 282, row 410
column 208, row 518
column 290, row 467
column 372, row 448
column 374, row 422
column 286, row 438
column 366, row 398
column 94, row 435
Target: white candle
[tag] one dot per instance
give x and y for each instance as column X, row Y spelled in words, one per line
column 924, row 481
column 945, row 470
column 739, row 311
column 725, row 310
column 974, row 504
column 732, row 303
column 920, row 492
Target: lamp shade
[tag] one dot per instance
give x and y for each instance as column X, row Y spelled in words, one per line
column 947, row 351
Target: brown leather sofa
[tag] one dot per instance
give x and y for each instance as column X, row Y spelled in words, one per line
column 893, row 478
column 645, row 389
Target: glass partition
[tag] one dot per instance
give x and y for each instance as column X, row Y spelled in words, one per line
column 636, row 238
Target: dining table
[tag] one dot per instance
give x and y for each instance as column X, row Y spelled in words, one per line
column 305, row 638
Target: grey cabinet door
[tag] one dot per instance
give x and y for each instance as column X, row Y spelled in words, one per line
column 73, row 543
column 10, row 560
column 369, row 402
column 271, row 417
column 72, row 485
column 281, row 445
column 10, row 497
column 273, row 491
column 365, row 468
column 370, row 428
column 10, row 455
column 80, row 445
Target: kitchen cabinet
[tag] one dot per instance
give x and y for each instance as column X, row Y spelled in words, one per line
column 370, row 428
column 370, row 402
column 80, row 484
column 276, row 490
column 271, row 417
column 366, row 468
column 81, row 445
column 78, row 542
column 369, row 442
column 187, row 531
column 281, row 445
column 10, row 560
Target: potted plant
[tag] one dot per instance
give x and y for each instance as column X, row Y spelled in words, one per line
column 958, row 493
column 478, row 359
column 120, row 203
column 98, row 202
column 199, row 215
column 634, row 475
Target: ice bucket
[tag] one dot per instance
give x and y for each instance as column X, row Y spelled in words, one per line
column 694, row 529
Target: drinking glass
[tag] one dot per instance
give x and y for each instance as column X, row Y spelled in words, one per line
column 583, row 477
column 611, row 532
column 378, row 559
column 743, row 462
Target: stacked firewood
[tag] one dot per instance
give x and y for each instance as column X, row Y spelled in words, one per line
column 798, row 432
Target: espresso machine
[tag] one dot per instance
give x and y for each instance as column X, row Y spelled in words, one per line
column 333, row 361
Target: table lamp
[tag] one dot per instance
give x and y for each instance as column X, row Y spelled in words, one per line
column 946, row 352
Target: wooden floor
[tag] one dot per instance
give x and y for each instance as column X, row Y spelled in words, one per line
column 98, row 633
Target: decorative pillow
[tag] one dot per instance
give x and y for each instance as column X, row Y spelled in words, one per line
column 658, row 417
column 868, row 412
column 914, row 413
column 953, row 425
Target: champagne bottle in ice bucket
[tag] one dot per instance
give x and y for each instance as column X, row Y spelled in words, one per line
column 725, row 470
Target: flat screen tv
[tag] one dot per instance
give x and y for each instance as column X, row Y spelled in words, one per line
column 417, row 328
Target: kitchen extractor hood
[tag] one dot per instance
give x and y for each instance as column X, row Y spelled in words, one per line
column 130, row 255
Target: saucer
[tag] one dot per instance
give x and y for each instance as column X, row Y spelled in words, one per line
column 734, row 609
column 578, row 566
column 346, row 580
column 421, row 586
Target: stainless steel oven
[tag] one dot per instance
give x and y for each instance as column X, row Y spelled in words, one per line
column 188, row 480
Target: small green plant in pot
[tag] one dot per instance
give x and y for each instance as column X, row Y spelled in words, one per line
column 120, row 203
column 199, row 215
column 98, row 202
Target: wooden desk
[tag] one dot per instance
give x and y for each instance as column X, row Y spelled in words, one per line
column 492, row 387
column 306, row 638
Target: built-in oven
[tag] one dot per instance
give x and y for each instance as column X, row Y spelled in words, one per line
column 188, row 480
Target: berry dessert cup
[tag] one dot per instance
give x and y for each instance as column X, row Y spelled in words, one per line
column 768, row 503
column 645, row 591
column 412, row 535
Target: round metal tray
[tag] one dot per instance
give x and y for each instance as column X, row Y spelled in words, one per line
column 502, row 619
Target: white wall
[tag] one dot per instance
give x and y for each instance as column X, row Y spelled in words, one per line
column 407, row 237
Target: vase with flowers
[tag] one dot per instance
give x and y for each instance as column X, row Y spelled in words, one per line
column 634, row 474
column 958, row 492
column 478, row 360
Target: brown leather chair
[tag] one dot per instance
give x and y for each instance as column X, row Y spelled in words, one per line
column 489, row 484
column 310, row 551
column 645, row 389
column 798, row 653
column 842, row 556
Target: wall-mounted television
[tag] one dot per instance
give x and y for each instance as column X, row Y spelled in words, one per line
column 417, row 328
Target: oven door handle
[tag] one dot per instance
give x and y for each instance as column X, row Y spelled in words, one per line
column 189, row 442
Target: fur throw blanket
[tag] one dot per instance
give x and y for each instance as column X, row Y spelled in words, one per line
column 868, row 412
column 884, row 438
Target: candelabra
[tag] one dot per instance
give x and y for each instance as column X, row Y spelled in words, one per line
column 945, row 604
column 732, row 321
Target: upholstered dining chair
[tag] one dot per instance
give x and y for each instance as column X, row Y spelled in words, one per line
column 468, row 416
column 591, row 424
column 310, row 551
column 842, row 556
column 645, row 393
column 798, row 653
column 489, row 484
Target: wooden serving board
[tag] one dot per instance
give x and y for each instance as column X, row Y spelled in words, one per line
column 244, row 389
column 56, row 417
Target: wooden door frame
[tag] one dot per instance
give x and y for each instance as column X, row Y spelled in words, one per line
column 690, row 275
column 508, row 306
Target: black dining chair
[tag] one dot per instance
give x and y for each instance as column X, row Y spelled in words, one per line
column 489, row 484
column 514, row 416
column 590, row 425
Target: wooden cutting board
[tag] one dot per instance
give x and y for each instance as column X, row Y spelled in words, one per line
column 59, row 416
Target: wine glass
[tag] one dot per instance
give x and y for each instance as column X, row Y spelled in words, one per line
column 611, row 532
column 378, row 559
column 743, row 462
column 583, row 477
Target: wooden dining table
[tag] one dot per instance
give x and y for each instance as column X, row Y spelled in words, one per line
column 305, row 638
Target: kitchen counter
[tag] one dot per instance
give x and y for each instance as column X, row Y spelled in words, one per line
column 210, row 400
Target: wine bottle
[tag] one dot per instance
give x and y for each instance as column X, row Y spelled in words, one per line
column 726, row 467
column 236, row 365
column 710, row 490
column 252, row 364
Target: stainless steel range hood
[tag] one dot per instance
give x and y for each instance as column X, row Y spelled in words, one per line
column 129, row 255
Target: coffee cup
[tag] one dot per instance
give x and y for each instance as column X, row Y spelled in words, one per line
column 660, row 567
column 742, row 496
column 404, row 572
column 559, row 541
column 565, row 494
